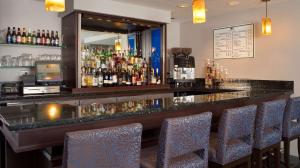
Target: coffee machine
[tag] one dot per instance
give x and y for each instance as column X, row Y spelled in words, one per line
column 182, row 68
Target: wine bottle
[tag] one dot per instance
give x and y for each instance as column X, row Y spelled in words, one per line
column 43, row 38
column 24, row 37
column 34, row 41
column 8, row 36
column 56, row 39
column 38, row 38
column 19, row 37
column 29, row 37
column 48, row 39
column 14, row 36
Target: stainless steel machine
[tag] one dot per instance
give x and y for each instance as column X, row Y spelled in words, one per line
column 182, row 68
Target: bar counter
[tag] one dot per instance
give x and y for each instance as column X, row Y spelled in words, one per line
column 38, row 125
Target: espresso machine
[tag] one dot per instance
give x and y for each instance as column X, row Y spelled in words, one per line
column 182, row 68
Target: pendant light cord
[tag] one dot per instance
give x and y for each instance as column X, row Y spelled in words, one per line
column 266, row 8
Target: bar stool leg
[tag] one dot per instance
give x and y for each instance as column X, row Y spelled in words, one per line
column 258, row 154
column 249, row 162
column 287, row 152
column 277, row 156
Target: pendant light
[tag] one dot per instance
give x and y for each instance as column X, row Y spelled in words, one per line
column 199, row 11
column 55, row 5
column 118, row 46
column 266, row 22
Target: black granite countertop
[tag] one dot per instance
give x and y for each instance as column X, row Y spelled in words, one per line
column 87, row 110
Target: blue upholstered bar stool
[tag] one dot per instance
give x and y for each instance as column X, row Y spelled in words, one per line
column 291, row 127
column 115, row 147
column 232, row 145
column 268, row 131
column 183, row 143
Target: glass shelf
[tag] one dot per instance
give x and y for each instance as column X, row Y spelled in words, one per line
column 7, row 67
column 29, row 45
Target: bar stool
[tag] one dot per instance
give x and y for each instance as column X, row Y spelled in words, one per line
column 268, row 131
column 109, row 147
column 291, row 127
column 232, row 145
column 183, row 143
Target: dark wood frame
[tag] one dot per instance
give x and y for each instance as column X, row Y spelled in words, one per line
column 71, row 36
column 286, row 151
column 258, row 154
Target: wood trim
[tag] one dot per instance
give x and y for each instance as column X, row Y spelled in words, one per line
column 120, row 89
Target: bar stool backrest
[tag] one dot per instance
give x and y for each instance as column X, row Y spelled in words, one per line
column 184, row 135
column 236, row 127
column 292, row 113
column 108, row 148
column 269, row 121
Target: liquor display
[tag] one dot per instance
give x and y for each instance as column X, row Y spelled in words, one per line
column 107, row 68
column 214, row 74
column 28, row 37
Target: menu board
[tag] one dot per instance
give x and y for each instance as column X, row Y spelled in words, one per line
column 234, row 42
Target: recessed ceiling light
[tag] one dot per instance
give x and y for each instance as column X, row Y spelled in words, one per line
column 183, row 5
column 233, row 3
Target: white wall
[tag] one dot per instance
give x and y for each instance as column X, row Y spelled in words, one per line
column 277, row 57
column 28, row 14
column 173, row 35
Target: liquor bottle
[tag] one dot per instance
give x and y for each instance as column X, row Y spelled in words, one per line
column 95, row 77
column 83, row 77
column 43, row 38
column 56, row 39
column 129, row 79
column 19, row 36
column 120, row 78
column 14, row 36
column 24, row 37
column 33, row 40
column 110, row 82
column 105, row 80
column 48, row 40
column 138, row 79
column 38, row 38
column 153, row 77
column 114, row 78
column 100, row 78
column 52, row 38
column 8, row 36
column 158, row 81
column 133, row 78
column 124, row 78
column 29, row 37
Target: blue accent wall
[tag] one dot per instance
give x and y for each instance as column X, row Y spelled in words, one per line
column 156, row 48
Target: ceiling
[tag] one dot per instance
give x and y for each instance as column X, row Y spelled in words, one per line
column 214, row 7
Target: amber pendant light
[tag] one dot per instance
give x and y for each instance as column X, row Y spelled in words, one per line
column 55, row 5
column 118, row 46
column 199, row 11
column 266, row 22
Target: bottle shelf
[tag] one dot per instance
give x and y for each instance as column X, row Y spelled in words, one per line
column 30, row 46
column 12, row 67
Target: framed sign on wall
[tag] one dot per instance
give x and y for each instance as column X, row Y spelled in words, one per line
column 234, row 42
